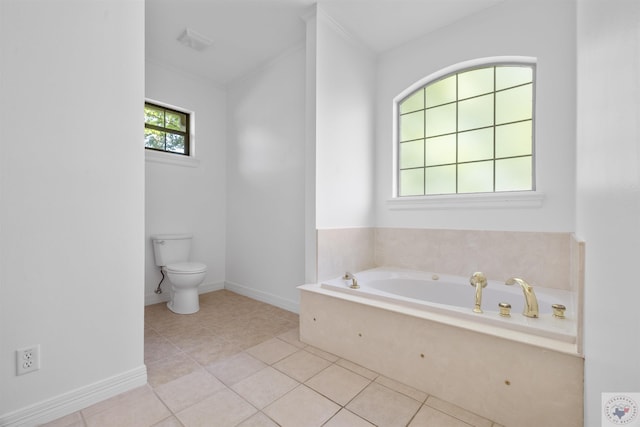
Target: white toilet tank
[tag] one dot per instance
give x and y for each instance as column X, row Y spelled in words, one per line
column 171, row 248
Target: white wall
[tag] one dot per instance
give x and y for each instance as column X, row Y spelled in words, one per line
column 266, row 181
column 310, row 231
column 545, row 30
column 182, row 198
column 72, row 209
column 345, row 75
column 608, row 195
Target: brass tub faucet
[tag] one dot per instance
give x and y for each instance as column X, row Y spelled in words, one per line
column 531, row 302
column 478, row 280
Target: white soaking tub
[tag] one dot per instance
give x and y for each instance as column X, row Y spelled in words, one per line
column 419, row 328
column 453, row 296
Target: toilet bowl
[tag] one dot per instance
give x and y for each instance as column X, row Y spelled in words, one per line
column 184, row 276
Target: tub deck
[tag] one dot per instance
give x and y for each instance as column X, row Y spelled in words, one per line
column 510, row 376
column 403, row 290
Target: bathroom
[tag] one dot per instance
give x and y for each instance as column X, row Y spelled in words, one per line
column 250, row 211
column 351, row 178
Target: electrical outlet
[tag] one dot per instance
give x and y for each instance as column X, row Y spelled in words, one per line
column 27, row 359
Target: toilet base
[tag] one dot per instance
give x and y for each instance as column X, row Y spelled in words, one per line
column 184, row 301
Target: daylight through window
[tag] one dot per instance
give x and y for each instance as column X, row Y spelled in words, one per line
column 166, row 129
column 468, row 132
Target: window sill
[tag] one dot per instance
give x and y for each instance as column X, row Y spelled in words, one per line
column 516, row 199
column 171, row 159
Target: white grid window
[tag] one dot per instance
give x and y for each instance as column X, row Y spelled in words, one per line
column 470, row 131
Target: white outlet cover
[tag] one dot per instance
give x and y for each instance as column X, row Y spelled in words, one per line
column 27, row 359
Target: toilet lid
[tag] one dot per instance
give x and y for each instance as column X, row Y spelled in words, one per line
column 186, row 267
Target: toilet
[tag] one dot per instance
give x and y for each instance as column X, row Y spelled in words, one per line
column 172, row 256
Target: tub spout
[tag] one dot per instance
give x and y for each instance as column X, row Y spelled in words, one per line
column 354, row 281
column 531, row 302
column 478, row 280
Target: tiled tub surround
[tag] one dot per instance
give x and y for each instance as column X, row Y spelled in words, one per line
column 345, row 249
column 540, row 258
column 514, row 383
column 548, row 260
column 517, row 382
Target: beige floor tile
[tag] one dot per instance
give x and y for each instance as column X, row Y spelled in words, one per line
column 301, row 407
column 236, row 368
column 325, row 355
column 171, row 323
column 139, row 407
column 427, row 417
column 165, row 370
column 210, row 298
column 258, row 420
column 71, row 420
column 402, row 388
column 234, row 330
column 192, row 338
column 384, row 407
column 290, row 316
column 248, row 339
column 211, row 350
column 338, row 384
column 458, row 412
column 115, row 401
column 223, row 409
column 264, row 387
column 156, row 314
column 357, row 369
column 255, row 349
column 301, row 365
column 272, row 325
column 169, row 422
column 156, row 347
column 292, row 336
column 188, row 390
column 345, row 418
column 177, row 329
column 272, row 350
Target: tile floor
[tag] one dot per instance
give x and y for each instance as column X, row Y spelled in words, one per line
column 238, row 362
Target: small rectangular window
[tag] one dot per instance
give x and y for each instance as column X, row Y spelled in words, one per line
column 166, row 129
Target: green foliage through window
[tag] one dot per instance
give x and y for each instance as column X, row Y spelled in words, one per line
column 166, row 129
column 468, row 132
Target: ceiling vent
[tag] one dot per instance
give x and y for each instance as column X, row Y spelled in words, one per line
column 194, row 40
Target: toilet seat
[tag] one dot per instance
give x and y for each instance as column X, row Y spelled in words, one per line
column 186, row 268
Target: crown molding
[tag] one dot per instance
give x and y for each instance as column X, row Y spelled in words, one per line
column 344, row 33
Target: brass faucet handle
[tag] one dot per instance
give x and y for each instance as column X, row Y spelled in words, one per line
column 478, row 278
column 558, row 310
column 505, row 309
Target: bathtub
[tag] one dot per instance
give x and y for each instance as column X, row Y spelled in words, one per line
column 419, row 328
column 451, row 299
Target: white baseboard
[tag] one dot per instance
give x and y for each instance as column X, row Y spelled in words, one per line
column 154, row 298
column 75, row 400
column 272, row 299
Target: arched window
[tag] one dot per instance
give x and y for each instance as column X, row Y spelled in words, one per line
column 467, row 129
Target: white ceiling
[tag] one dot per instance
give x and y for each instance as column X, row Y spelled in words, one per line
column 248, row 33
